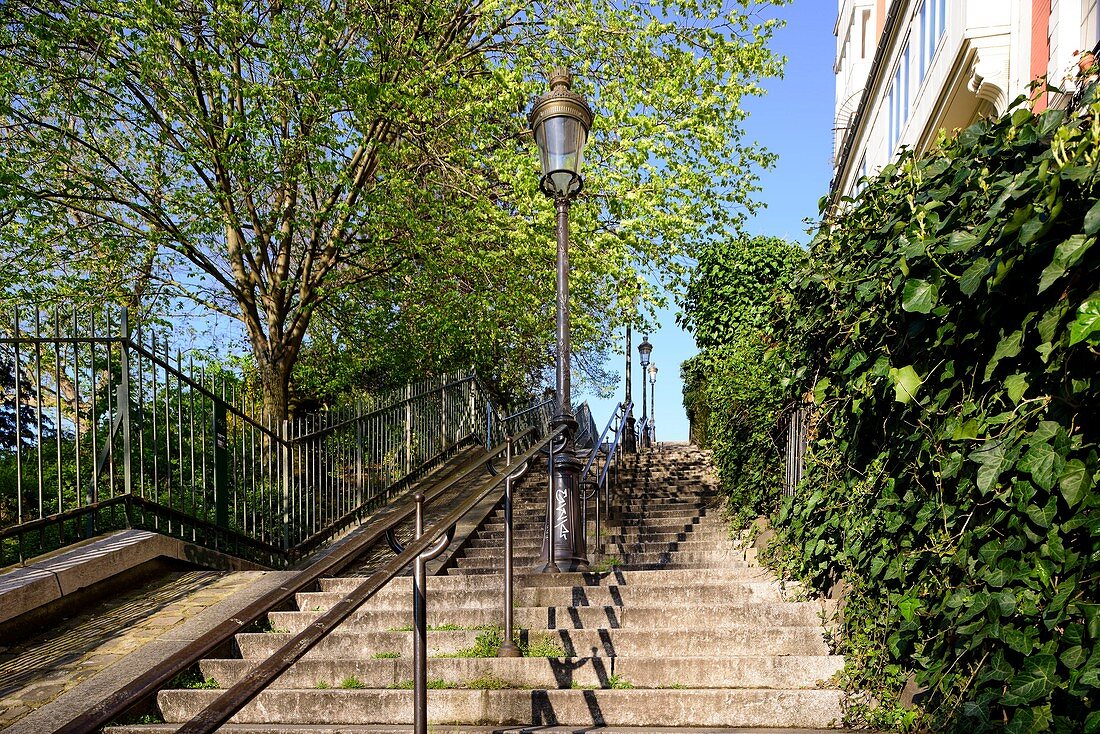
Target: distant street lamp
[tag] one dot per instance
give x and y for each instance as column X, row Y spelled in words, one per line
column 644, row 350
column 561, row 121
column 652, row 403
column 629, row 440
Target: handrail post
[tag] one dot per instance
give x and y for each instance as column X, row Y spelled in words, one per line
column 420, row 623
column 124, row 400
column 508, row 648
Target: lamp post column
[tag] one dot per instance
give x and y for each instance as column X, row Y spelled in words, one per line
column 644, row 350
column 652, row 404
column 566, row 548
column 629, row 440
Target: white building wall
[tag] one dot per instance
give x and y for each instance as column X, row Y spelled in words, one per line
column 933, row 79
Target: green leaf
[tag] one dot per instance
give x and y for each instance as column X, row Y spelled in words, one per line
column 908, row 607
column 906, row 383
column 1066, row 256
column 1044, row 464
column 1009, row 346
column 1087, row 323
column 973, row 276
column 1074, row 482
column 918, row 296
column 1092, row 723
column 1035, row 681
column 1092, row 219
column 821, row 389
column 1074, row 657
column 1016, row 385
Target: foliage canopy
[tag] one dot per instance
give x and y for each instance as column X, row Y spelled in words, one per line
column 366, row 167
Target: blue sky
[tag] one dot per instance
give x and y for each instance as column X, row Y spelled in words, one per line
column 794, row 120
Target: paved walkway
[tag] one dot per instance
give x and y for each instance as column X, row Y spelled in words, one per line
column 38, row 670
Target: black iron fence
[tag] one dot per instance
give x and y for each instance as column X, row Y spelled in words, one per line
column 103, row 428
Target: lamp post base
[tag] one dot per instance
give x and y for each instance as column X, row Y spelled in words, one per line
column 568, row 551
column 630, row 438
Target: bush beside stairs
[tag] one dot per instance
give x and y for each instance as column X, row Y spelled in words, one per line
column 676, row 627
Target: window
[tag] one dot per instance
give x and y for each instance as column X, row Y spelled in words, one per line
column 1090, row 24
column 864, row 34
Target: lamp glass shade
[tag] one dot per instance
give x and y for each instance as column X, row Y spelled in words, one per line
column 561, row 141
column 643, row 351
column 652, row 374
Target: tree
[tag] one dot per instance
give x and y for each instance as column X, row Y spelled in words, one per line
column 278, row 163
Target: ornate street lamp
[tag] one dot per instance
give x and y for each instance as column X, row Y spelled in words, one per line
column 652, row 403
column 561, row 121
column 644, row 350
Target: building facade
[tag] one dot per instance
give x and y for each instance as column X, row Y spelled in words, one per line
column 906, row 69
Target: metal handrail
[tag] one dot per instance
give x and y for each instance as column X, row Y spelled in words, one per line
column 613, row 452
column 599, row 444
column 643, row 432
column 239, row 695
column 108, row 709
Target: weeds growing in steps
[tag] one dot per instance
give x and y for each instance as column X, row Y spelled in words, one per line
column 192, row 678
column 608, row 564
column 386, row 655
column 488, row 642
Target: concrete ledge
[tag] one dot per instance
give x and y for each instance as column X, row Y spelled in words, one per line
column 54, row 576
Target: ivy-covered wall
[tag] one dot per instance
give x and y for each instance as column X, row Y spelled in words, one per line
column 948, row 325
column 732, row 396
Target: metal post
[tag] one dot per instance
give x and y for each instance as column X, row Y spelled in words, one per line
column 645, row 434
column 566, row 544
column 508, row 648
column 629, row 440
column 653, row 411
column 420, row 623
column 221, row 466
column 287, row 473
column 124, row 400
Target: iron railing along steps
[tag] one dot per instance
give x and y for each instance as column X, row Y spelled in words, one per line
column 345, row 555
column 716, row 647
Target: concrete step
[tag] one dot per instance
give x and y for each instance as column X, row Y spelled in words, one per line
column 642, row 545
column 734, row 573
column 756, row 671
column 703, row 558
column 675, row 565
column 789, row 614
column 397, row 598
column 644, row 707
column 456, row 729
column 731, row 641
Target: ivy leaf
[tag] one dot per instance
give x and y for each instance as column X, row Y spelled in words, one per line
column 1074, row 482
column 1009, row 346
column 1033, row 682
column 974, row 276
column 918, row 296
column 1044, row 464
column 1092, row 723
column 1087, row 323
column 1016, row 385
column 991, row 464
column 906, row 383
column 1092, row 219
column 908, row 607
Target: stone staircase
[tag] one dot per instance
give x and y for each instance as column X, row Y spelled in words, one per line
column 676, row 626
